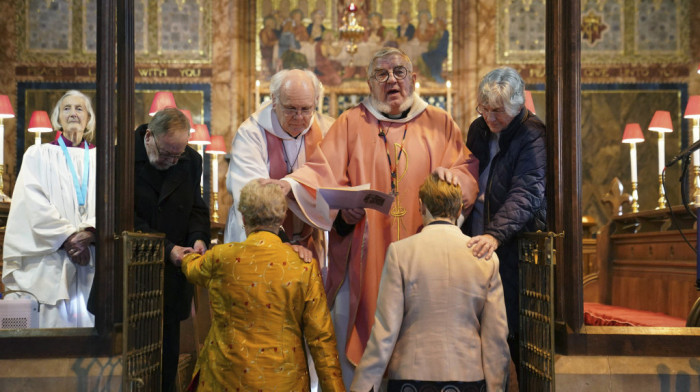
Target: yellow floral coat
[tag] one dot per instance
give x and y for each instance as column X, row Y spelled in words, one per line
column 264, row 301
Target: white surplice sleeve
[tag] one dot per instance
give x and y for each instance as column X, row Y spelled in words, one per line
column 249, row 161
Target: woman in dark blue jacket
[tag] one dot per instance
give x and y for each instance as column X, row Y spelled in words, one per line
column 509, row 142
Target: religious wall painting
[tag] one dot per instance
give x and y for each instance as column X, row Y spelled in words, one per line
column 612, row 31
column 305, row 34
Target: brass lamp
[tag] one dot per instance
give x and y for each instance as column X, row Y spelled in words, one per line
column 216, row 148
column 661, row 123
column 200, row 137
column 632, row 136
column 5, row 112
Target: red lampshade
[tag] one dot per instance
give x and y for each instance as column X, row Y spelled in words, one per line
column 200, row 135
column 692, row 110
column 188, row 114
column 217, row 146
column 39, row 122
column 661, row 122
column 632, row 134
column 529, row 104
column 162, row 100
column 5, row 107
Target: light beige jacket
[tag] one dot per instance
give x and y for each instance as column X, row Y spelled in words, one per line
column 440, row 314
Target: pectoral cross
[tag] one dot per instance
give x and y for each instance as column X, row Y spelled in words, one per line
column 397, row 211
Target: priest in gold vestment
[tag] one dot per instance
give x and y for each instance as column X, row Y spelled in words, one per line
column 265, row 301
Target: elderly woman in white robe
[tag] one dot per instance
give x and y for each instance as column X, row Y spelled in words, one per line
column 49, row 251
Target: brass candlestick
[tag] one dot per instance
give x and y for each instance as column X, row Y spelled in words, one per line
column 635, row 198
column 662, row 194
column 3, row 196
column 215, row 214
column 696, row 185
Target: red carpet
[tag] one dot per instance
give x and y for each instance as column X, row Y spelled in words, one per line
column 599, row 314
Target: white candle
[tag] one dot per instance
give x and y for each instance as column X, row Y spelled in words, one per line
column 37, row 138
column 320, row 98
column 633, row 160
column 448, row 99
column 696, row 136
column 214, row 172
column 2, row 143
column 418, row 88
column 257, row 94
column 662, row 148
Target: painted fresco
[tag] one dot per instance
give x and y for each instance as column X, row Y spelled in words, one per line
column 304, row 34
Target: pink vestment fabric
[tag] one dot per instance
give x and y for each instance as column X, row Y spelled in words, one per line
column 352, row 153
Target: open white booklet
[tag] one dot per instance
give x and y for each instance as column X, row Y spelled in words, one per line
column 352, row 197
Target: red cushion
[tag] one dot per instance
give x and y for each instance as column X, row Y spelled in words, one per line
column 599, row 314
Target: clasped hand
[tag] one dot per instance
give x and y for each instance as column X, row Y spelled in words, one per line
column 178, row 252
column 77, row 246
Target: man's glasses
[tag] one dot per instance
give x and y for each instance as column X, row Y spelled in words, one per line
column 382, row 75
column 485, row 112
column 291, row 111
column 166, row 155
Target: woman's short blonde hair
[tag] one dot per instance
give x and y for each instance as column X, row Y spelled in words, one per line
column 441, row 198
column 262, row 206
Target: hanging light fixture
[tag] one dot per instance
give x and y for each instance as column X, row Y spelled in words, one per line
column 351, row 30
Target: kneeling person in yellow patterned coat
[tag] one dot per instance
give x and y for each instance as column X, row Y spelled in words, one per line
column 265, row 300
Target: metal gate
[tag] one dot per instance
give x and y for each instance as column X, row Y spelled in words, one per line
column 536, row 274
column 143, row 311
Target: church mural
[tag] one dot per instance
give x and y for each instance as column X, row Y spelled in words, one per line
column 306, row 34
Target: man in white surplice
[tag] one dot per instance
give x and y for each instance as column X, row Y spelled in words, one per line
column 274, row 141
column 49, row 240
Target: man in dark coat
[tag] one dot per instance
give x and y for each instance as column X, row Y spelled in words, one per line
column 168, row 200
column 509, row 142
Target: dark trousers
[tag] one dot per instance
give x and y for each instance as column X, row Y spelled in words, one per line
column 171, row 351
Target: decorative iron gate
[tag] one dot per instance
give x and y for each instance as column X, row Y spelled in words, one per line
column 536, row 274
column 143, row 311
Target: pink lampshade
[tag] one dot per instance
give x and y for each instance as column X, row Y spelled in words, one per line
column 529, row 103
column 200, row 135
column 39, row 122
column 633, row 134
column 217, row 146
column 661, row 122
column 188, row 114
column 692, row 110
column 5, row 107
column 162, row 100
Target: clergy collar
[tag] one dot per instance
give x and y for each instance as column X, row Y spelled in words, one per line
column 419, row 105
column 397, row 116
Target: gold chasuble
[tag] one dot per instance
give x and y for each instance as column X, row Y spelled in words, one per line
column 365, row 147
